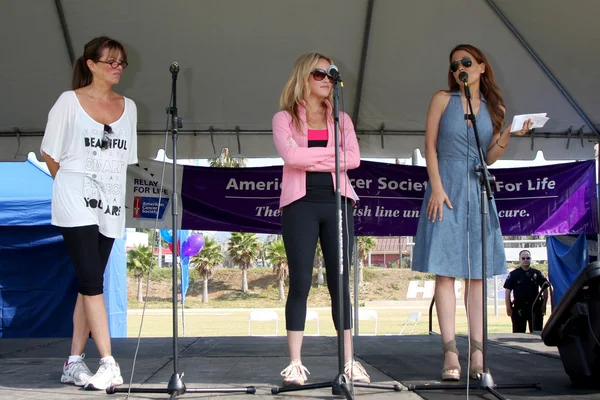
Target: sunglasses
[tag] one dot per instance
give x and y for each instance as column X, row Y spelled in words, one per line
column 525, row 258
column 465, row 61
column 115, row 64
column 320, row 74
column 107, row 131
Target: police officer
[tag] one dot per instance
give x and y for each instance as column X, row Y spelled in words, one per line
column 525, row 283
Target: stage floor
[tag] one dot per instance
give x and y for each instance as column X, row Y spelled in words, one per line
column 31, row 368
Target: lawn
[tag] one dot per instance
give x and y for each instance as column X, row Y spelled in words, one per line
column 226, row 313
column 234, row 322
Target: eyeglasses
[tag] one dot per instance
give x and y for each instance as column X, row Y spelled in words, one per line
column 525, row 258
column 107, row 131
column 320, row 74
column 115, row 64
column 465, row 61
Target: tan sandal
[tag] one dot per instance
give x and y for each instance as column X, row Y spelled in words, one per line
column 449, row 372
column 475, row 370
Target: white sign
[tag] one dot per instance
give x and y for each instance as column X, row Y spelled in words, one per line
column 150, row 194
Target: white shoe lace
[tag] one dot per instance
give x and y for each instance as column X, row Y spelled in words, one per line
column 76, row 368
column 295, row 371
column 355, row 371
column 104, row 376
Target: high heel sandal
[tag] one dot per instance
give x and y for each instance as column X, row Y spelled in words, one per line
column 475, row 370
column 449, row 372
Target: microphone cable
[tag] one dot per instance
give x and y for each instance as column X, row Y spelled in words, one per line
column 153, row 240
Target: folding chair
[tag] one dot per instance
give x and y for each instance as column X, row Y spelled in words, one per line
column 312, row 315
column 413, row 317
column 263, row 316
column 366, row 315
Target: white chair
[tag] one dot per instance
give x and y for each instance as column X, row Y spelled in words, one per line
column 366, row 315
column 312, row 315
column 263, row 316
column 413, row 318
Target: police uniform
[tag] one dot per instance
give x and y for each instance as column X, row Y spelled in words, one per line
column 525, row 286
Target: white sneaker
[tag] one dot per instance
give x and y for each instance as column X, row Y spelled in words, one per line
column 295, row 374
column 108, row 375
column 76, row 373
column 356, row 372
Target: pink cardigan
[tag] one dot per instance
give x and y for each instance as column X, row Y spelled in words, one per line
column 299, row 158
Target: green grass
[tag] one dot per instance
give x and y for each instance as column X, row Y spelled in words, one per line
column 234, row 322
column 227, row 312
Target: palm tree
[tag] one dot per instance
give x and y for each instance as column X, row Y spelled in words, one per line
column 319, row 264
column 365, row 244
column 209, row 257
column 140, row 260
column 225, row 160
column 244, row 250
column 277, row 258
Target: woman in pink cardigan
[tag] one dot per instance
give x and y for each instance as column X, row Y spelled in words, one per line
column 303, row 132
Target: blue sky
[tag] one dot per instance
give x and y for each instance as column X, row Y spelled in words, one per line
column 264, row 162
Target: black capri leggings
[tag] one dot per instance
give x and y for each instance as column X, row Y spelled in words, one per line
column 89, row 251
column 303, row 223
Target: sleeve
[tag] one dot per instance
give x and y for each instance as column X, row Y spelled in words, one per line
column 349, row 152
column 133, row 155
column 60, row 119
column 509, row 284
column 292, row 155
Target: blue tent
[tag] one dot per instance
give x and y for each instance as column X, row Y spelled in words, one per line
column 568, row 255
column 37, row 281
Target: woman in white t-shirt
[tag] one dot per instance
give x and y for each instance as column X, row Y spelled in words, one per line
column 90, row 138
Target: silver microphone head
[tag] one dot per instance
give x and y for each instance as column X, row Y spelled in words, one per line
column 333, row 71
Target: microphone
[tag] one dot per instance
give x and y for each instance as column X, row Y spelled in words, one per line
column 464, row 77
column 174, row 68
column 334, row 73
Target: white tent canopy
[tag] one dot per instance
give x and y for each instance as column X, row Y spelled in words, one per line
column 235, row 56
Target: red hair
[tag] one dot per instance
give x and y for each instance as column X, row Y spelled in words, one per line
column 488, row 87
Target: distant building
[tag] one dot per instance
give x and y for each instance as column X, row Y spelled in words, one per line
column 134, row 239
column 388, row 251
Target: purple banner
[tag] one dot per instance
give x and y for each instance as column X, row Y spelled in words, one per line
column 548, row 200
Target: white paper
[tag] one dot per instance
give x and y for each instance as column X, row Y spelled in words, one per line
column 538, row 120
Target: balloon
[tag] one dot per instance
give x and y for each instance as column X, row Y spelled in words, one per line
column 167, row 235
column 171, row 247
column 193, row 245
column 186, row 250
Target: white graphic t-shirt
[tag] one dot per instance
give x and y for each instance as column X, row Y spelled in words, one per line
column 89, row 187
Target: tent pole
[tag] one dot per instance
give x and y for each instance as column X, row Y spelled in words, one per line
column 543, row 66
column 65, row 31
column 597, row 158
column 363, row 61
column 356, row 283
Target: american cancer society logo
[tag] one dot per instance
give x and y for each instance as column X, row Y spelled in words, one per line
column 148, row 207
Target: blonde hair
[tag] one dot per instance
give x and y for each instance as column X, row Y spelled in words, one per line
column 297, row 89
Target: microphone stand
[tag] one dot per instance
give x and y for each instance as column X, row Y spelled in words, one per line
column 544, row 285
column 485, row 381
column 176, row 385
column 339, row 385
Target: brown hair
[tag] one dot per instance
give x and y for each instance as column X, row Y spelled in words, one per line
column 82, row 76
column 296, row 88
column 487, row 86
